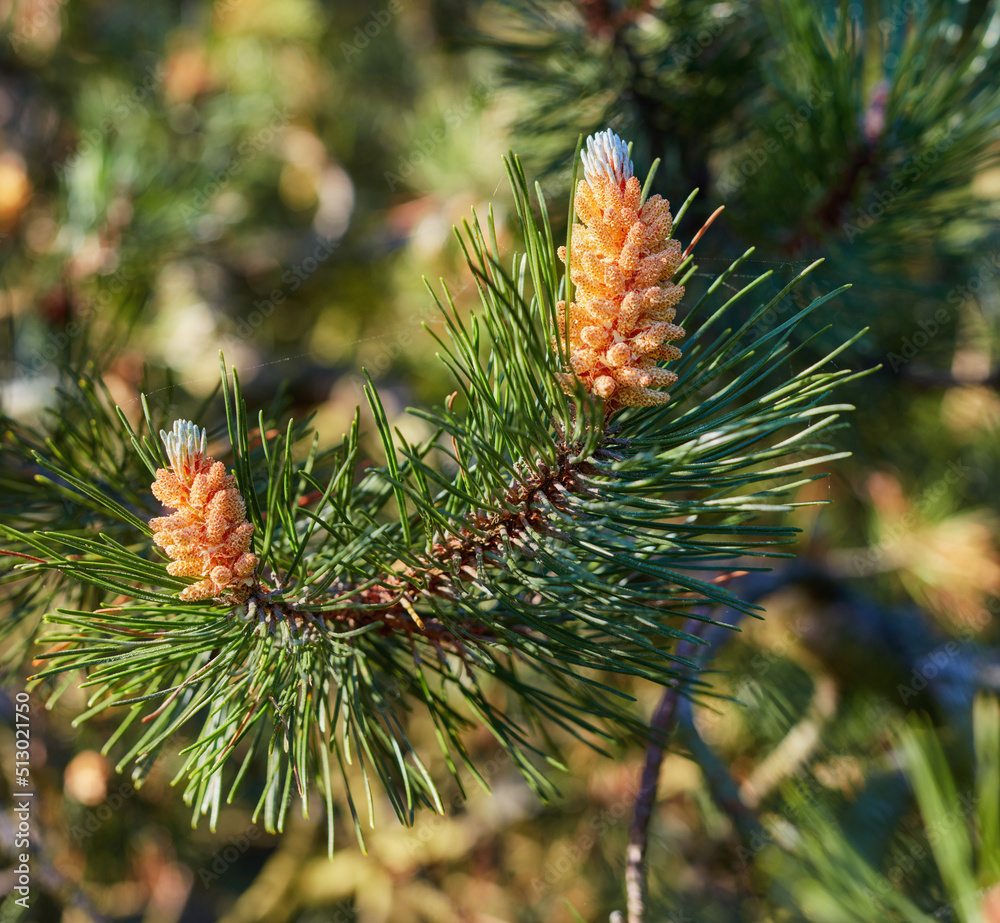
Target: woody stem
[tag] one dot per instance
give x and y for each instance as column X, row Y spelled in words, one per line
column 662, row 726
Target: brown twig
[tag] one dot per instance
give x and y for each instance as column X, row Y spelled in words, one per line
column 662, row 725
column 635, row 855
column 391, row 601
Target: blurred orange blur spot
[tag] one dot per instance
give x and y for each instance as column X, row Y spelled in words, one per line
column 86, row 778
column 15, row 189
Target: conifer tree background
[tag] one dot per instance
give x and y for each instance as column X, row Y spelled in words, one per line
column 272, row 179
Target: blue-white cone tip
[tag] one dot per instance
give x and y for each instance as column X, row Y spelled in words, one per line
column 606, row 158
column 185, row 444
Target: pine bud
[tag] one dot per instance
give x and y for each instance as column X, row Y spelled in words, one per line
column 208, row 536
column 623, row 258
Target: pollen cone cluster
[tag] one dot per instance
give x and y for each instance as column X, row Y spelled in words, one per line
column 621, row 323
column 208, row 536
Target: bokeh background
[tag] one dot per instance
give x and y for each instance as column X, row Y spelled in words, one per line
column 275, row 179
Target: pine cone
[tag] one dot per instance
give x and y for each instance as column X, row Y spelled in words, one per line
column 208, row 536
column 621, row 321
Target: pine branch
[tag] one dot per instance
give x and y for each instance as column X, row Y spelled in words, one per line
column 662, row 724
column 518, row 570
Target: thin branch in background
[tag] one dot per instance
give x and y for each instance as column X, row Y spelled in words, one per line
column 662, row 726
column 635, row 856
